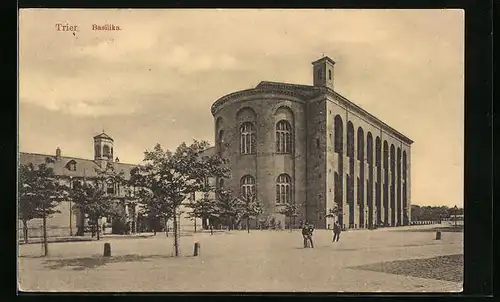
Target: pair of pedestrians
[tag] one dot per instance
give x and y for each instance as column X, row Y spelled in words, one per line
column 308, row 229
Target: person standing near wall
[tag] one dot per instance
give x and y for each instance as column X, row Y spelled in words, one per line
column 307, row 231
column 336, row 231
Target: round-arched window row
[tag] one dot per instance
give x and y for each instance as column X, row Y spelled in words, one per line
column 247, row 138
column 283, row 189
column 284, row 137
column 247, row 186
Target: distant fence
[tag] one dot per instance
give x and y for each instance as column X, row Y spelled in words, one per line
column 447, row 222
column 36, row 232
column 427, row 222
column 52, row 231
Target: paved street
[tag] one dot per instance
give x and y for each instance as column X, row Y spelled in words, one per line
column 259, row 261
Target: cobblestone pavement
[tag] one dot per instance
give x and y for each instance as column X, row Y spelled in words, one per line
column 237, row 261
column 447, row 268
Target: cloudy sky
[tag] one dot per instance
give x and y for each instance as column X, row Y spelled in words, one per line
column 154, row 80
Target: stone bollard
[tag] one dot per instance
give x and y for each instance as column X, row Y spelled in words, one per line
column 107, row 250
column 438, row 235
column 196, row 249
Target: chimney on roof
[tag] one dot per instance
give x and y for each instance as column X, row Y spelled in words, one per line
column 58, row 153
column 117, row 160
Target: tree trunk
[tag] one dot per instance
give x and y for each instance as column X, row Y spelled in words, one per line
column 25, row 231
column 248, row 225
column 98, row 228
column 195, row 224
column 81, row 228
column 290, row 224
column 45, row 243
column 176, row 233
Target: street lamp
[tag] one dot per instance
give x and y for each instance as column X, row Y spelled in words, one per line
column 455, row 210
column 70, row 210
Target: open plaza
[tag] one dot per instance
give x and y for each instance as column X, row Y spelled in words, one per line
column 401, row 259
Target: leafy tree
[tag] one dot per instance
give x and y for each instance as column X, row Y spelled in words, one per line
column 229, row 208
column 431, row 213
column 194, row 213
column 290, row 212
column 90, row 199
column 169, row 177
column 39, row 194
column 27, row 209
column 416, row 212
column 154, row 210
column 205, row 208
column 204, row 169
column 250, row 209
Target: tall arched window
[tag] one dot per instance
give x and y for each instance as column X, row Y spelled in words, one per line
column 320, row 74
column 405, row 192
column 350, row 140
column 283, row 137
column 339, row 135
column 247, row 186
column 385, row 163
column 220, row 141
column 247, row 138
column 283, row 189
column 378, row 151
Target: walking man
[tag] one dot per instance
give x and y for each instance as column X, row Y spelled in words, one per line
column 336, row 231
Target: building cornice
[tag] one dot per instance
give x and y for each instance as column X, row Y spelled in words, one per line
column 303, row 94
column 245, row 94
column 356, row 109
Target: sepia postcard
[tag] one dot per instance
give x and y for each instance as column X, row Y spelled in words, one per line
column 240, row 150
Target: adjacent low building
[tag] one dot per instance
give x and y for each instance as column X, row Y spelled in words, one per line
column 72, row 169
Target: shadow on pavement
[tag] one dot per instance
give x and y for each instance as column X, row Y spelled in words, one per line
column 97, row 261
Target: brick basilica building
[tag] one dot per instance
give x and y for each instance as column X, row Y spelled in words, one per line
column 309, row 145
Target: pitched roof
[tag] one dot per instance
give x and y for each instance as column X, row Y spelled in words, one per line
column 325, row 58
column 103, row 135
column 84, row 167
